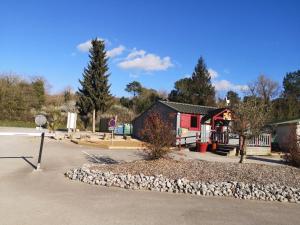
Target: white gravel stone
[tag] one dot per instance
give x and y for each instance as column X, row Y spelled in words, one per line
column 271, row 192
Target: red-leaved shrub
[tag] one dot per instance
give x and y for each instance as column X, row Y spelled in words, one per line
column 293, row 155
column 158, row 135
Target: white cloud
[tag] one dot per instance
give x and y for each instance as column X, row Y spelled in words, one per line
column 140, row 60
column 225, row 85
column 133, row 75
column 115, row 51
column 213, row 74
column 135, row 53
column 85, row 46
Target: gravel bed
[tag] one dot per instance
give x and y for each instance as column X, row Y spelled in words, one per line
column 243, row 181
column 196, row 170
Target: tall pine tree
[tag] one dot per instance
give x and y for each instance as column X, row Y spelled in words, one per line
column 197, row 89
column 203, row 93
column 94, row 93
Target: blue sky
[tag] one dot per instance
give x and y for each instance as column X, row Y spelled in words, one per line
column 154, row 42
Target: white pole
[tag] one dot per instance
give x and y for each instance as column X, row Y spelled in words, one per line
column 94, row 121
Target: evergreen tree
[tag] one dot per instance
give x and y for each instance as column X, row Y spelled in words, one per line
column 203, row 93
column 94, row 92
column 134, row 87
column 181, row 93
column 196, row 90
column 84, row 106
column 234, row 98
column 38, row 86
column 291, row 84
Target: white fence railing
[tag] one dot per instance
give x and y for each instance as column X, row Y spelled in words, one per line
column 263, row 140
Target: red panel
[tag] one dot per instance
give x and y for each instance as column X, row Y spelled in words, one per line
column 185, row 120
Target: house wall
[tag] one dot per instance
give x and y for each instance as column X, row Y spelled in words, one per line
column 282, row 134
column 187, row 131
column 258, row 150
column 166, row 113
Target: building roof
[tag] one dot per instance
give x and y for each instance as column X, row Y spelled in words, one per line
column 212, row 113
column 287, row 122
column 189, row 108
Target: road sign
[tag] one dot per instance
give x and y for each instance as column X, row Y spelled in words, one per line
column 112, row 122
column 40, row 120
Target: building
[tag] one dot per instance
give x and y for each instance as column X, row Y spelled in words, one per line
column 282, row 132
column 189, row 121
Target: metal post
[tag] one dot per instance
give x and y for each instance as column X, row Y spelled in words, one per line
column 41, row 151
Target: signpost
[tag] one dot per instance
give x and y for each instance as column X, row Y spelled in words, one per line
column 111, row 126
column 40, row 120
column 71, row 122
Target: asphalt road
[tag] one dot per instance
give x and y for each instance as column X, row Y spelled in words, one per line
column 47, row 197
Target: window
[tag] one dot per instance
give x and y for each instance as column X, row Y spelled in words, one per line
column 194, row 122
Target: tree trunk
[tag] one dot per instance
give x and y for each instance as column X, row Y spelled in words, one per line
column 94, row 121
column 242, row 148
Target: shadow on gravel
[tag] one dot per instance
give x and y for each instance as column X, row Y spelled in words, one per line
column 281, row 162
column 101, row 159
column 141, row 154
column 25, row 158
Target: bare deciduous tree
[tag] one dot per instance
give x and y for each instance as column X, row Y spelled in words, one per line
column 264, row 88
column 249, row 118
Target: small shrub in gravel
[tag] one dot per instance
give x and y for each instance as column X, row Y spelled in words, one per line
column 293, row 155
column 158, row 135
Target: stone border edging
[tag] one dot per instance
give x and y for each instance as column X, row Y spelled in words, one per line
column 240, row 190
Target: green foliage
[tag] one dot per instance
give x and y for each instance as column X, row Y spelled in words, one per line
column 234, row 98
column 124, row 114
column 84, row 106
column 67, row 95
column 94, row 93
column 16, row 123
column 143, row 99
column 20, row 99
column 126, row 102
column 287, row 106
column 291, row 84
column 54, row 117
column 134, row 87
column 196, row 90
column 158, row 135
column 182, row 92
column 38, row 86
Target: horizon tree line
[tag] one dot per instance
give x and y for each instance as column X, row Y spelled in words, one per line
column 94, row 98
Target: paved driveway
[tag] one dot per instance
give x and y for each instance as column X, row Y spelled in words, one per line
column 46, row 197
